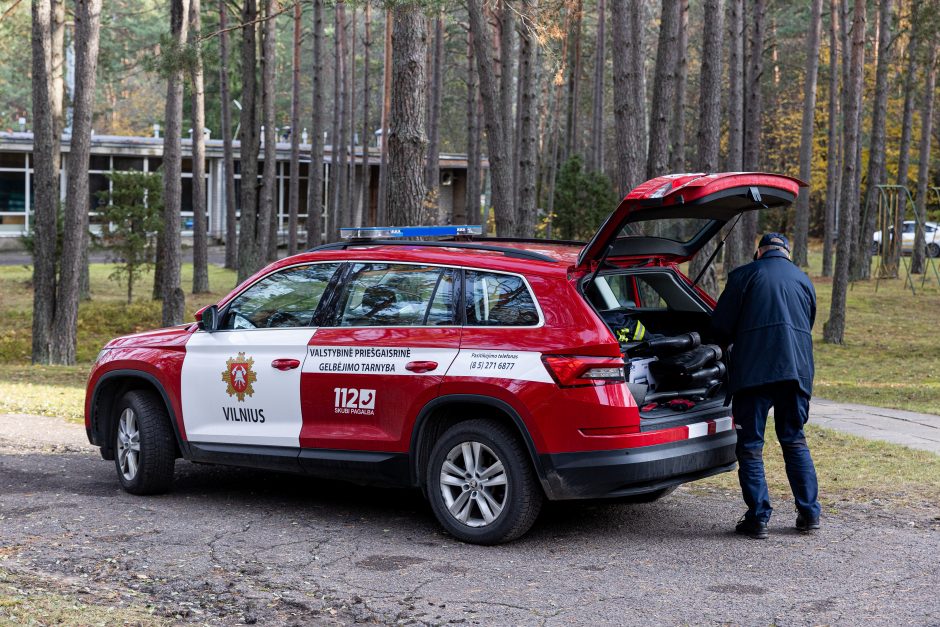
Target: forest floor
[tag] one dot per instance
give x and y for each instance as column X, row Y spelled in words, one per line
column 232, row 545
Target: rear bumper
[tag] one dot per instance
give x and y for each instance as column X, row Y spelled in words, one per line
column 625, row 472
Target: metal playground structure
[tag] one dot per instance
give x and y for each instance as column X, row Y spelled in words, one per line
column 895, row 204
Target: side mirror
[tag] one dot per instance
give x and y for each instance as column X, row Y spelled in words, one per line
column 208, row 318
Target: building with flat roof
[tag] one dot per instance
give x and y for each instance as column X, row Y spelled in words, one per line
column 145, row 154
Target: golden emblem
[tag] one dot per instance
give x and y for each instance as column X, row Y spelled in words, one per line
column 239, row 376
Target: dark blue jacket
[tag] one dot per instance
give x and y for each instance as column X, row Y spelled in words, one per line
column 767, row 312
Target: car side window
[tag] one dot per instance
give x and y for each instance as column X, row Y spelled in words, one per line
column 443, row 309
column 387, row 294
column 498, row 300
column 287, row 298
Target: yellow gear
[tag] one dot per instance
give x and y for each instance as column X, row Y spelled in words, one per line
column 635, row 332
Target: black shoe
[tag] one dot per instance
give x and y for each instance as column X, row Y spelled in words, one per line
column 805, row 524
column 752, row 528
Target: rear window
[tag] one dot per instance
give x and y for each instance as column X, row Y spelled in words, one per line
column 499, row 300
column 681, row 230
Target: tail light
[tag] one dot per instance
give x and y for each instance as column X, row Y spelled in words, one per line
column 570, row 371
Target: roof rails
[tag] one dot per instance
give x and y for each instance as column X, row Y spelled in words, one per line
column 454, row 234
column 509, row 252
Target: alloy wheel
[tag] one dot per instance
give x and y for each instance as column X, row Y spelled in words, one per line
column 128, row 444
column 474, row 484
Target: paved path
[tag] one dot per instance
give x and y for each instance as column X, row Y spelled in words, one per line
column 920, row 431
column 231, row 546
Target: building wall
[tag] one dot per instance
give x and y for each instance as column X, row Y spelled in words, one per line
column 109, row 154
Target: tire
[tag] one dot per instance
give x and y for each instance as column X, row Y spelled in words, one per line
column 141, row 419
column 875, row 248
column 514, row 488
column 933, row 249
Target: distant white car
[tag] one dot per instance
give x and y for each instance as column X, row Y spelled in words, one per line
column 931, row 236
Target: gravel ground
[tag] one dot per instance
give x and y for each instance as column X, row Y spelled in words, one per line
column 232, row 546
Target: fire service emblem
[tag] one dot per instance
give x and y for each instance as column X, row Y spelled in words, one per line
column 239, row 376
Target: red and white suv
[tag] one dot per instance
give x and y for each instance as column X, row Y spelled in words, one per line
column 486, row 373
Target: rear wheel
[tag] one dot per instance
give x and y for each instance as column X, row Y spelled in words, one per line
column 481, row 483
column 143, row 444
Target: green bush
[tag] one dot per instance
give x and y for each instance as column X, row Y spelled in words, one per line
column 582, row 201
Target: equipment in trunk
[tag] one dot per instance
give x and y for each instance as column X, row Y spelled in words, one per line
column 664, row 369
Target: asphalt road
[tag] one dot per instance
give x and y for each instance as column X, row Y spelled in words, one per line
column 231, row 546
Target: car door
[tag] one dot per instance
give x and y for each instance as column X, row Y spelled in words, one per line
column 241, row 383
column 392, row 335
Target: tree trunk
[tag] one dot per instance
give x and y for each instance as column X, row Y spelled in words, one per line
column 597, row 117
column 907, row 119
column 801, row 230
column 173, row 299
column 833, row 171
column 734, row 252
column 528, row 124
column 572, row 140
column 472, row 201
column 834, row 329
column 507, row 56
column 228, row 157
column 47, row 123
column 432, row 172
column 315, row 180
column 65, row 322
column 382, row 211
column 627, row 28
column 753, row 116
column 407, row 139
column 337, row 136
column 923, row 159
column 500, row 164
column 293, row 194
column 349, row 80
column 709, row 129
column 200, row 236
column 343, row 213
column 663, row 107
column 677, row 157
column 554, row 140
column 861, row 254
column 267, row 211
column 366, row 186
column 249, row 256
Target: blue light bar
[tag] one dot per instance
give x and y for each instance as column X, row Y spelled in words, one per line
column 389, row 232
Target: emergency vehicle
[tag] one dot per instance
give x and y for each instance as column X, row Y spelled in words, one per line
column 484, row 372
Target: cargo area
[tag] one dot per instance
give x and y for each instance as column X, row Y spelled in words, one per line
column 675, row 370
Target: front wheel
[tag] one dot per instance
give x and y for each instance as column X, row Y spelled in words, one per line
column 933, row 249
column 145, row 452
column 481, row 483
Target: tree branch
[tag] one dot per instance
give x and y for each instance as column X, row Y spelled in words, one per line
column 265, row 18
column 16, row 3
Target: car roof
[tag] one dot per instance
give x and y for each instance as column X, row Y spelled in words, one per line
column 559, row 256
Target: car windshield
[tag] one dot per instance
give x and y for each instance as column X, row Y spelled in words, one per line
column 681, row 230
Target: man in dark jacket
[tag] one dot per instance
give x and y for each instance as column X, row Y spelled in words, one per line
column 766, row 314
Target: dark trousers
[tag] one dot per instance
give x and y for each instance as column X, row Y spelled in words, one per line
column 791, row 411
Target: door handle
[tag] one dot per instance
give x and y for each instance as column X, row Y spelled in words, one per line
column 421, row 366
column 285, row 364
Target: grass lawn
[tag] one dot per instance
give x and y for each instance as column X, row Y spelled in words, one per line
column 891, row 358
column 60, row 390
